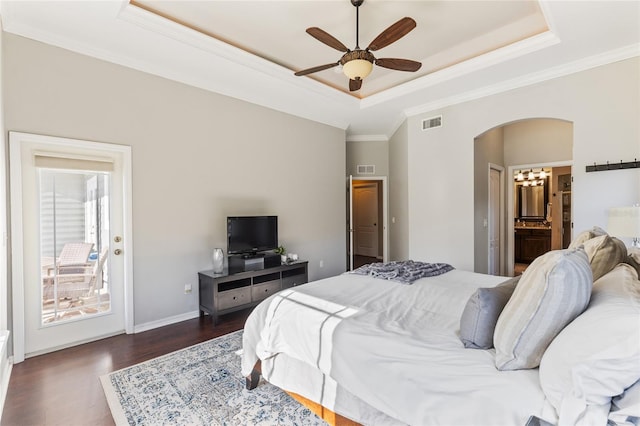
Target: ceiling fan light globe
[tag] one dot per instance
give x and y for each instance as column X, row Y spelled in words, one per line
column 357, row 69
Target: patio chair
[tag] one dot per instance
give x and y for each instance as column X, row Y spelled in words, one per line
column 73, row 258
column 78, row 284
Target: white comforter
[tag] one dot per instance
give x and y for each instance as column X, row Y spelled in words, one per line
column 398, row 350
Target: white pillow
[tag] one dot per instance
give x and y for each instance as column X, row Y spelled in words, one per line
column 553, row 290
column 625, row 408
column 596, row 356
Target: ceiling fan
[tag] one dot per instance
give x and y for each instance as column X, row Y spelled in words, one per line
column 358, row 63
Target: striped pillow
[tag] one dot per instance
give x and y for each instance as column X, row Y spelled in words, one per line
column 553, row 290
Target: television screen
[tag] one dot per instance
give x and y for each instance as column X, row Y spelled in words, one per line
column 251, row 234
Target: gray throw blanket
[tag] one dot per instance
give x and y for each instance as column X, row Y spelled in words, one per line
column 405, row 272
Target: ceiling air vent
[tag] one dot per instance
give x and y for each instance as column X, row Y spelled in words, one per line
column 430, row 123
column 368, row 169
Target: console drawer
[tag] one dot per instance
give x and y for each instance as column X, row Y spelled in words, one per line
column 231, row 298
column 264, row 290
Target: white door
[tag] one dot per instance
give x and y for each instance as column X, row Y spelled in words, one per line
column 366, row 219
column 494, row 222
column 71, row 242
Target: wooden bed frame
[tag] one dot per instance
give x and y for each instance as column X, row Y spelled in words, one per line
column 325, row 414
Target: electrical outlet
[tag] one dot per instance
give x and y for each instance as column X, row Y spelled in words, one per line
column 322, row 263
column 187, row 289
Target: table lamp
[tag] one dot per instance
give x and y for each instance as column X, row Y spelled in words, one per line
column 625, row 222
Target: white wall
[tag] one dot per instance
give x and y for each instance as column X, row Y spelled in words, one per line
column 5, row 341
column 604, row 105
column 197, row 157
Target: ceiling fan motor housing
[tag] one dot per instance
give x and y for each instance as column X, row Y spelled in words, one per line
column 357, row 54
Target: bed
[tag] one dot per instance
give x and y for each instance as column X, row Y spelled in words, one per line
column 378, row 351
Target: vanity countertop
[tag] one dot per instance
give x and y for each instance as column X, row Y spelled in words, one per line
column 542, row 227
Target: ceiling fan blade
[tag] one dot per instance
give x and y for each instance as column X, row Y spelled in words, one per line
column 355, row 85
column 394, row 33
column 399, row 64
column 327, row 39
column 316, row 69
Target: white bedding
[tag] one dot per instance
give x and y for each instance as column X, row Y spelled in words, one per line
column 400, row 353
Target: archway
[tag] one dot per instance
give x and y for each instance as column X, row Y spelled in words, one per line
column 528, row 144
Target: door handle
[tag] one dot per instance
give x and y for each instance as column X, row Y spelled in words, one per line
column 117, row 252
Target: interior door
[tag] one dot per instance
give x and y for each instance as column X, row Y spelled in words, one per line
column 69, row 239
column 494, row 222
column 366, row 219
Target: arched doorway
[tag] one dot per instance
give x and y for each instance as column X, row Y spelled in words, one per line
column 524, row 145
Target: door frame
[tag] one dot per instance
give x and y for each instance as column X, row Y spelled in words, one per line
column 501, row 227
column 510, row 202
column 17, row 237
column 385, row 216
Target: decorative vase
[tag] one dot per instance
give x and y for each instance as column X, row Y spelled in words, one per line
column 218, row 261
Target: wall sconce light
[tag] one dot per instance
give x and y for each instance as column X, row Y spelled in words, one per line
column 520, row 175
column 531, row 176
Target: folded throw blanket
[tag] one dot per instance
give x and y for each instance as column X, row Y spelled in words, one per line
column 405, row 272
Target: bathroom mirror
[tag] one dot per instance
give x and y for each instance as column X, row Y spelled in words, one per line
column 532, row 202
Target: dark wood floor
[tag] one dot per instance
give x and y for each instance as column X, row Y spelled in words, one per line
column 63, row 387
column 359, row 260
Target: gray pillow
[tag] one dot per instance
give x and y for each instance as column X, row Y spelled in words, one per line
column 480, row 315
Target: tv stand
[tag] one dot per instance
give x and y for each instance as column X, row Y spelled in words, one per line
column 251, row 255
column 232, row 291
column 253, row 261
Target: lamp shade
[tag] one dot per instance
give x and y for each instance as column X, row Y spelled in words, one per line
column 357, row 69
column 624, row 222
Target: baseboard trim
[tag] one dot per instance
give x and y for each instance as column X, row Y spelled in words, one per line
column 165, row 321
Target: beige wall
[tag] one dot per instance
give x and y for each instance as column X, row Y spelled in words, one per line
column 489, row 149
column 368, row 153
column 398, row 194
column 538, row 141
column 197, row 157
column 440, row 197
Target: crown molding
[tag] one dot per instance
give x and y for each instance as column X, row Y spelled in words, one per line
column 506, row 53
column 367, row 138
column 584, row 64
column 150, row 21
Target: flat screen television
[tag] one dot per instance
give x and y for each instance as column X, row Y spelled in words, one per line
column 251, row 234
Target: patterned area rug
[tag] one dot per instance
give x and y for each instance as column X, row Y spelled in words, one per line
column 199, row 385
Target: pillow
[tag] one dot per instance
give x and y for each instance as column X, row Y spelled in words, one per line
column 597, row 356
column 625, row 408
column 553, row 290
column 633, row 258
column 587, row 235
column 478, row 320
column 604, row 253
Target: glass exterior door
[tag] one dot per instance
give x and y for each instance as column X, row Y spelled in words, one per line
column 74, row 244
